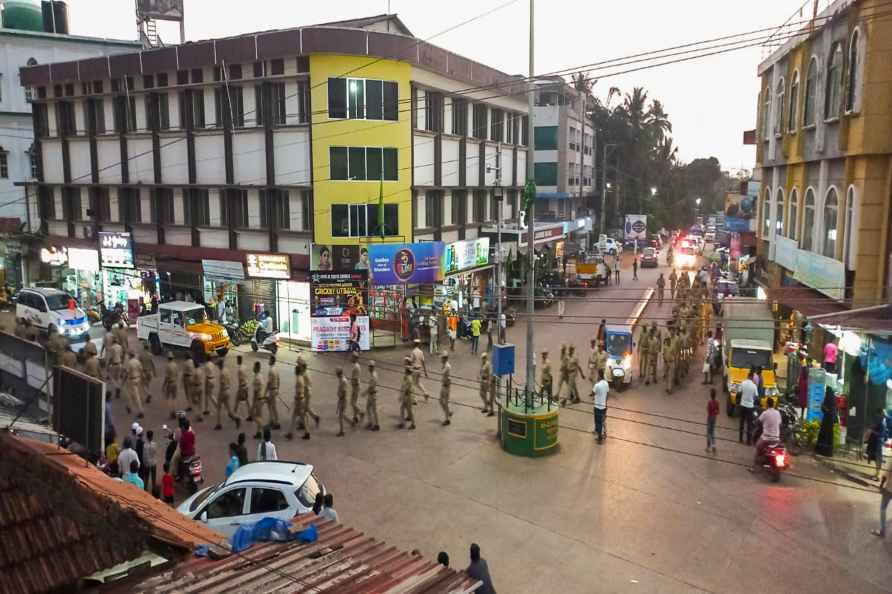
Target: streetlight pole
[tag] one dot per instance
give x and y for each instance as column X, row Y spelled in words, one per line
column 498, row 194
column 531, row 200
column 603, row 225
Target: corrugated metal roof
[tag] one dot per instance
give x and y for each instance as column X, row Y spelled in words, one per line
column 62, row 519
column 341, row 560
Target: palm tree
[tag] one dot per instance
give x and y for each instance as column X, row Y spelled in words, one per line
column 582, row 82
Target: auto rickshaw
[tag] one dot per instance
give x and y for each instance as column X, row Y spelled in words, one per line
column 619, row 345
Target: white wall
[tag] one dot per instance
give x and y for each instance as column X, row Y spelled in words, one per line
column 52, row 161
column 491, row 160
column 79, row 154
column 451, row 164
column 174, row 165
column 472, row 158
column 249, row 157
column 141, row 164
column 210, row 160
column 109, row 161
column 436, row 81
column 291, row 151
column 424, row 160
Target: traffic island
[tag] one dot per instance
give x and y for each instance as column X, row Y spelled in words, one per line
column 528, row 426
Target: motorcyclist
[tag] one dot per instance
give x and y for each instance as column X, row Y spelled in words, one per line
column 264, row 327
column 185, row 447
column 770, row 423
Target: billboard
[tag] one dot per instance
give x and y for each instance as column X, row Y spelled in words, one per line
column 275, row 266
column 339, row 257
column 332, row 334
column 163, row 10
column 407, row 263
column 739, row 206
column 636, row 226
column 334, row 298
column 115, row 249
column 463, row 255
column 79, row 408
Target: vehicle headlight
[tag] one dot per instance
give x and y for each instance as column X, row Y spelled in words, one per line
column 771, row 391
column 224, row 333
column 202, row 336
column 627, row 361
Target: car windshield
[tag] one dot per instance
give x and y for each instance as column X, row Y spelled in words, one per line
column 750, row 358
column 307, row 492
column 618, row 344
column 202, row 497
column 195, row 316
column 57, row 301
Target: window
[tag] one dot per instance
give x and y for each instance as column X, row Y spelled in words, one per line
column 234, row 209
column 274, row 211
column 497, row 126
column 850, row 247
column 33, row 162
column 793, row 225
column 479, row 121
column 811, row 83
column 65, row 118
column 794, row 102
column 433, row 209
column 831, row 210
column 779, row 107
column 100, row 206
column 546, row 173
column 834, row 81
column 158, row 111
column 128, row 200
column 459, row 207
column 779, row 205
column 525, row 129
column 41, row 120
column 46, row 204
column 766, row 214
column 766, row 114
column 433, row 111
column 125, row 114
column 479, row 206
column 361, row 220
column 808, row 222
column 546, row 138
column 71, row 204
column 162, row 214
column 197, row 101
column 160, row 79
column 359, row 98
column 264, row 501
column 277, row 67
column 230, row 107
column 197, row 76
column 852, row 78
column 95, row 111
column 182, row 77
column 227, row 505
column 362, row 163
column 459, row 117
column 196, row 207
column 277, row 96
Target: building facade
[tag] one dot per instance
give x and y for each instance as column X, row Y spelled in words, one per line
column 825, row 153
column 263, row 144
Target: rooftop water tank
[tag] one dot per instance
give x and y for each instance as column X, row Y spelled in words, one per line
column 26, row 15
column 55, row 17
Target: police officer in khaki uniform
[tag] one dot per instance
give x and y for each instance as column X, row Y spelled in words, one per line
column 573, row 371
column 114, row 367
column 122, row 337
column 446, row 387
column 593, row 361
column 69, row 357
column 272, row 393
column 342, row 400
column 241, row 393
column 258, row 402
column 406, row 406
column 224, row 396
column 308, row 396
column 564, row 372
column 485, row 381
column 187, row 369
column 148, row 371
column 90, row 350
column 546, row 380
column 355, row 372
column 171, row 374
column 55, row 346
column 91, row 367
column 197, row 388
column 669, row 357
column 371, row 403
column 211, row 384
column 298, row 410
column 656, row 349
column 643, row 355
column 419, row 365
column 134, row 386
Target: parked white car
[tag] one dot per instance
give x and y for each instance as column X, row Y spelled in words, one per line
column 50, row 310
column 255, row 491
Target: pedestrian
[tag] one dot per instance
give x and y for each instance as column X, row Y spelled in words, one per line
column 224, row 396
column 479, row 570
column 419, row 365
column 328, row 511
column 234, row 462
column 563, row 372
column 503, row 327
column 573, row 371
column 126, row 456
column 134, row 386
column 616, row 272
column 876, row 441
column 355, row 373
column 601, row 335
column 635, row 267
column 824, row 446
column 371, row 402
column 885, row 498
column 562, row 306
column 342, row 400
column 712, row 414
column 308, row 394
column 258, row 401
column 644, row 348
column 599, row 394
column 139, row 444
column 91, row 365
column 673, row 283
column 452, row 323
column 546, row 381
column 149, row 371
column 133, row 476
column 272, row 393
column 831, row 351
column 661, row 289
column 149, row 456
column 211, row 385
column 171, row 374
column 69, row 357
column 747, row 394
column 241, row 394
column 114, row 367
column 167, row 485
column 406, row 413
column 242, row 450
column 298, row 406
column 485, row 380
column 445, row 387
column 707, row 367
column 434, row 334
column 266, row 450
column 802, row 384
column 475, row 335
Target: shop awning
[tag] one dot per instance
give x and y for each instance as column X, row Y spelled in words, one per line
column 806, row 300
column 167, row 255
column 468, row 270
column 876, row 320
column 223, row 270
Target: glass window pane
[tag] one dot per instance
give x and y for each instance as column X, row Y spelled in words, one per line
column 391, row 101
column 357, row 163
column 390, row 164
column 546, row 138
column 373, row 163
column 391, row 219
column 337, row 98
column 374, row 91
column 340, row 221
column 356, row 98
column 338, row 162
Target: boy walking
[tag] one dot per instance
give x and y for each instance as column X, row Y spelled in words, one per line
column 712, row 414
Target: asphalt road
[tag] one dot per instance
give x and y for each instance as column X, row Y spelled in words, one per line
column 648, row 511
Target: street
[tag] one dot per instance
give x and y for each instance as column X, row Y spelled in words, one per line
column 647, row 511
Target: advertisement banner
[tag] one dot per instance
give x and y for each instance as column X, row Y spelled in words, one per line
column 332, row 334
column 341, row 258
column 821, row 273
column 737, row 225
column 223, row 270
column 785, row 252
column 163, row 10
column 407, row 263
column 463, row 255
column 338, row 293
column 275, row 266
column 115, row 249
column 817, row 379
column 636, row 226
column 739, row 206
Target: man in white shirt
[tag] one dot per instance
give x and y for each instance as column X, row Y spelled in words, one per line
column 746, row 400
column 599, row 393
column 126, row 456
column 771, row 424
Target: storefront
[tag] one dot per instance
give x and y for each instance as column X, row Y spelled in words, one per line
column 221, row 280
column 293, row 310
column 258, row 293
column 469, row 280
column 11, row 262
column 75, row 271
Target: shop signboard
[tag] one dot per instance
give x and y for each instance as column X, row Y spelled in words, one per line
column 341, row 258
column 737, row 225
column 463, row 255
column 115, row 249
column 333, row 333
column 337, row 301
column 407, row 263
column 85, row 260
column 636, row 226
column 785, row 252
column 274, row 266
column 821, row 273
column 54, row 256
column 817, row 380
column 223, row 270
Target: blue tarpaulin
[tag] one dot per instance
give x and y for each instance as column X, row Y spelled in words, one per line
column 269, row 529
column 876, row 358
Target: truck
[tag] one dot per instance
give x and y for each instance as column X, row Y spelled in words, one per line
column 747, row 343
column 590, row 272
column 182, row 325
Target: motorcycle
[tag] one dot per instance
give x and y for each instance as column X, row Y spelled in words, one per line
column 234, row 329
column 262, row 339
column 111, row 317
column 774, row 458
column 190, row 468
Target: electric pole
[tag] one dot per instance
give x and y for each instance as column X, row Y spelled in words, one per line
column 531, row 231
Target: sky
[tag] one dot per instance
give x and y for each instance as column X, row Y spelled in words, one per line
column 710, row 101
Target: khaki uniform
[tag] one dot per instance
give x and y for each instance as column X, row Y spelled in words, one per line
column 342, row 403
column 371, row 404
column 573, row 371
column 224, row 398
column 417, row 368
column 91, row 367
column 115, row 367
column 593, row 365
column 69, row 359
column 56, row 347
column 298, row 409
column 656, row 349
column 547, row 381
column 673, row 283
column 445, row 390
column 643, row 355
column 171, row 373
column 406, row 405
column 355, row 372
column 485, row 380
column 669, row 363
column 197, row 388
column 564, row 377
column 122, row 338
column 272, row 395
column 134, row 384
column 90, row 349
column 187, row 369
column 258, row 403
column 148, row 372
column 211, row 383
column 308, row 398
column 241, row 394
